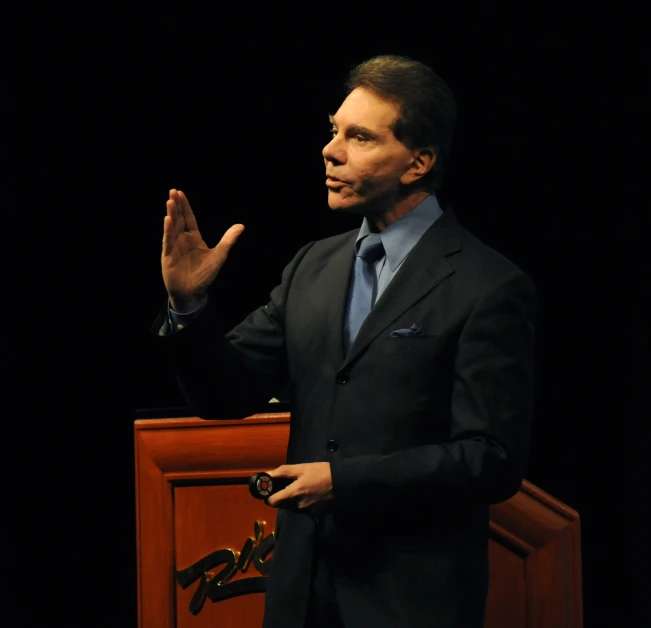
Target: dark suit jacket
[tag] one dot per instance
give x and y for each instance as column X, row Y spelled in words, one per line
column 423, row 433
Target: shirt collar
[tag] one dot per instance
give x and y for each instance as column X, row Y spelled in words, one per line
column 402, row 235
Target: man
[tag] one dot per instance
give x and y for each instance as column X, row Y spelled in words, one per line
column 409, row 361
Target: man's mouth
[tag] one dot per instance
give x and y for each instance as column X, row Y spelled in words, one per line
column 333, row 183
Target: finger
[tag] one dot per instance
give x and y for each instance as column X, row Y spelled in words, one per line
column 172, row 202
column 288, row 504
column 174, row 210
column 176, row 227
column 280, row 496
column 171, row 210
column 168, row 236
column 188, row 214
column 284, row 470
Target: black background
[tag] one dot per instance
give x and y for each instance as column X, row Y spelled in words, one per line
column 104, row 112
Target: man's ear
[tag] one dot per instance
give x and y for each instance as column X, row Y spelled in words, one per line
column 423, row 160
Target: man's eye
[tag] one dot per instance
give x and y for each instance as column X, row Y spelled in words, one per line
column 361, row 138
column 333, row 132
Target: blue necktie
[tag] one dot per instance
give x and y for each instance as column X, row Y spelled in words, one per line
column 364, row 287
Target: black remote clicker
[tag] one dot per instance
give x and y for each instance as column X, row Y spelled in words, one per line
column 262, row 485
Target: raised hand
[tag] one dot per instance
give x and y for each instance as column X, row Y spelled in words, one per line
column 189, row 266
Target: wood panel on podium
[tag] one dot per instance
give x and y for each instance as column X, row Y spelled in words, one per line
column 204, row 543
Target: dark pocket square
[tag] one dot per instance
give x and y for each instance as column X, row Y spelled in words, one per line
column 414, row 330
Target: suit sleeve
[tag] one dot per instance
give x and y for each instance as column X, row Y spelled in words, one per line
column 491, row 411
column 231, row 374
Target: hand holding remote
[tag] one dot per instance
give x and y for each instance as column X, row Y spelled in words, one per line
column 262, row 485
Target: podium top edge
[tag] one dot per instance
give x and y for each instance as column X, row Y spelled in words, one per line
column 162, row 422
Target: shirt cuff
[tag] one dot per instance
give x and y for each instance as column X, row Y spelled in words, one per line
column 178, row 321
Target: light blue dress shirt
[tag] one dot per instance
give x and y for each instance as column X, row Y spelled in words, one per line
column 398, row 239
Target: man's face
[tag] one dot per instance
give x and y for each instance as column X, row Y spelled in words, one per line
column 364, row 161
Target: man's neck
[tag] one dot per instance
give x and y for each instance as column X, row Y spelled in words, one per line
column 379, row 220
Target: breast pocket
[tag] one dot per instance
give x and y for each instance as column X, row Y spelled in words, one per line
column 421, row 344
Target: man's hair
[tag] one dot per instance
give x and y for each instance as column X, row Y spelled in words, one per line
column 428, row 110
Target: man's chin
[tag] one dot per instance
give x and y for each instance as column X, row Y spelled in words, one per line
column 337, row 203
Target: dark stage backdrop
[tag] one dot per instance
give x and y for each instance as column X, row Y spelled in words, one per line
column 105, row 112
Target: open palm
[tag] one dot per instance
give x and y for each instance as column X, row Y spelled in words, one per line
column 189, row 266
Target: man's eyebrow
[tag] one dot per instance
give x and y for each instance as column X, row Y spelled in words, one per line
column 356, row 129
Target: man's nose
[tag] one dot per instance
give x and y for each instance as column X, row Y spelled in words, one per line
column 334, row 151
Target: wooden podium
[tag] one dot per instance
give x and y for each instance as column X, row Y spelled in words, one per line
column 204, row 543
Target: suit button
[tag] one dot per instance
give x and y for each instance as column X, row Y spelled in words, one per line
column 332, row 445
column 342, row 378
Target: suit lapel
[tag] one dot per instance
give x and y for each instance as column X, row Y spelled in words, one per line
column 336, row 275
column 425, row 268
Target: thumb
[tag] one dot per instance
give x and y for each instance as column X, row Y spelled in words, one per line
column 220, row 252
column 230, row 237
